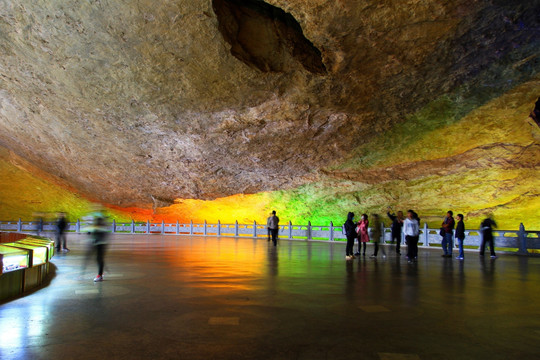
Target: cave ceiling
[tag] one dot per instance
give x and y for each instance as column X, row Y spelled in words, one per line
column 142, row 101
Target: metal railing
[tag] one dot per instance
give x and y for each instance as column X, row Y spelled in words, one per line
column 520, row 241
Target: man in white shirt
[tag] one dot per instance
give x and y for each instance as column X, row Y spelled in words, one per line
column 411, row 229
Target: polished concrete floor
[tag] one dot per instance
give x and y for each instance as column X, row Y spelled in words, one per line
column 168, row 297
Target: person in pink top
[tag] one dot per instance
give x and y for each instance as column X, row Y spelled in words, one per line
column 362, row 231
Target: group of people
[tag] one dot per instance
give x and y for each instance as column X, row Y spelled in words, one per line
column 363, row 233
column 410, row 228
column 447, row 233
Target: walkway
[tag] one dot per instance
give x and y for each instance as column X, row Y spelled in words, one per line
column 168, row 297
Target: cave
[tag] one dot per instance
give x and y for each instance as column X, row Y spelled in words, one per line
column 266, row 37
column 227, row 109
column 535, row 114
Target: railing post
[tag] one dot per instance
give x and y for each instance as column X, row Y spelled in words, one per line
column 218, row 228
column 114, row 226
column 426, row 235
column 162, row 227
column 290, row 230
column 522, row 240
column 236, row 228
column 204, row 228
column 19, row 226
column 254, row 228
column 148, row 226
column 132, row 226
column 190, row 227
column 78, row 226
column 177, row 227
column 331, row 237
column 309, row 230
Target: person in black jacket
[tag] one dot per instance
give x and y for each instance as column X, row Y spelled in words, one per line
column 460, row 236
column 397, row 225
column 487, row 236
column 350, row 232
column 61, row 226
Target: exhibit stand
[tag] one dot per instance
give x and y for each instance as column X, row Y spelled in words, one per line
column 25, row 265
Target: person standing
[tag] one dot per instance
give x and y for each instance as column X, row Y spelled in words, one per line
column 100, row 244
column 269, row 231
column 397, row 225
column 487, row 236
column 376, row 234
column 448, row 232
column 411, row 229
column 363, row 235
column 61, row 240
column 273, row 224
column 460, row 236
column 350, row 232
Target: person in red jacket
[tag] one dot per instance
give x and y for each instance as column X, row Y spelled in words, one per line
column 448, row 229
column 362, row 231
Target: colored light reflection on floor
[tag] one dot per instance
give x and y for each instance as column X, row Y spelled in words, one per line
column 225, row 264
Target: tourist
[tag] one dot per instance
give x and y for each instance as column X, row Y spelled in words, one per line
column 486, row 227
column 273, row 224
column 61, row 225
column 447, row 230
column 397, row 225
column 460, row 236
column 269, row 231
column 350, row 232
column 363, row 236
column 411, row 229
column 376, row 234
column 100, row 244
column 96, row 226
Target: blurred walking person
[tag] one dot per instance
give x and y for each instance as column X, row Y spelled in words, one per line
column 61, row 225
column 100, row 243
column 96, row 227
column 376, row 234
column 411, row 229
column 486, row 228
column 397, row 225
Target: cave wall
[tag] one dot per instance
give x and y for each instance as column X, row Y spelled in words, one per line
column 139, row 104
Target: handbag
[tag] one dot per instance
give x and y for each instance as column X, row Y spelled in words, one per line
column 442, row 232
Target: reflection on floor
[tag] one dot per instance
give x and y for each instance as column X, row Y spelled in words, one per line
column 168, row 297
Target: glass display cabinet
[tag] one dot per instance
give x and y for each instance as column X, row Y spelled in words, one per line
column 38, row 253
column 49, row 244
column 13, row 259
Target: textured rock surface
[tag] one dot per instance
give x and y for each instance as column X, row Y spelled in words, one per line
column 140, row 103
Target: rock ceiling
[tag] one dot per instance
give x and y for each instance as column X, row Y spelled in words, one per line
column 137, row 102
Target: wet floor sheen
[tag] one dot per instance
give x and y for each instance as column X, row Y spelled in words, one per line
column 168, row 297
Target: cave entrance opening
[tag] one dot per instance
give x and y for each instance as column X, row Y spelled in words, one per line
column 266, row 37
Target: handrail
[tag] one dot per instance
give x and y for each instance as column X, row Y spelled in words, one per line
column 512, row 239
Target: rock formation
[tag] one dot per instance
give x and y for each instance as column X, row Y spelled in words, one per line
column 141, row 103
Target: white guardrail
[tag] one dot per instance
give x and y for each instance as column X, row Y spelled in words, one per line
column 521, row 239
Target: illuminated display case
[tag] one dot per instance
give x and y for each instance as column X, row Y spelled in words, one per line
column 13, row 259
column 49, row 244
column 38, row 253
